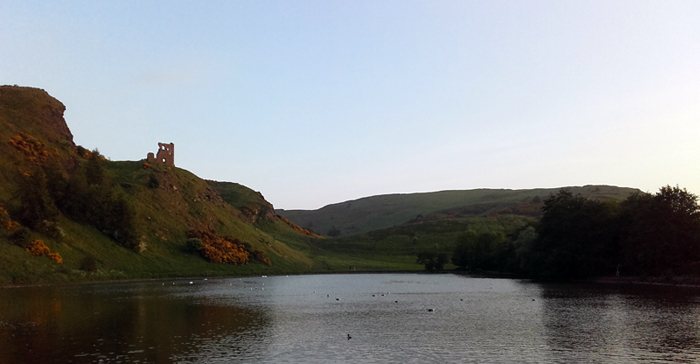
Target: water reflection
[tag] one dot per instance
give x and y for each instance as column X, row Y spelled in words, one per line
column 587, row 323
column 393, row 318
column 110, row 323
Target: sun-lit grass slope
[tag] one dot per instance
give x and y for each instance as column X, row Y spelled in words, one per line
column 183, row 201
column 377, row 212
column 165, row 204
column 250, row 202
column 256, row 209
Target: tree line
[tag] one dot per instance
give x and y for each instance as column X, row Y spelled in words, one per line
column 643, row 235
column 85, row 194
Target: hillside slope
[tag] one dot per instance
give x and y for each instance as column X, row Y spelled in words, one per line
column 378, row 212
column 113, row 220
column 398, row 246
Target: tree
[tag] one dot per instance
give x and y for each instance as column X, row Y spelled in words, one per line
column 89, row 197
column 477, row 252
column 432, row 260
column 522, row 247
column 660, row 233
column 576, row 238
column 94, row 171
column 121, row 220
column 37, row 209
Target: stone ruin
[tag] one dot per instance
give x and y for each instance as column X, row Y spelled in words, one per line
column 166, row 155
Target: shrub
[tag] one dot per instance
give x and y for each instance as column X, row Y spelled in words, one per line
column 140, row 247
column 37, row 208
column 153, row 181
column 221, row 249
column 5, row 220
column 259, row 255
column 56, row 257
column 37, row 248
column 50, row 228
column 88, row 264
column 93, row 201
column 33, row 149
column 194, row 245
column 81, row 151
column 20, row 237
column 94, row 170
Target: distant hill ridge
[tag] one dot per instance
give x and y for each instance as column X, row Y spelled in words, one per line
column 377, row 212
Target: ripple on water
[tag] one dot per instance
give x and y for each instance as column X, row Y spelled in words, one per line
column 298, row 320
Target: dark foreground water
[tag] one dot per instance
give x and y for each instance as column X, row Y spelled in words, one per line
column 392, row 318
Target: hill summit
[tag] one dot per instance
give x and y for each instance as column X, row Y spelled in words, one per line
column 383, row 211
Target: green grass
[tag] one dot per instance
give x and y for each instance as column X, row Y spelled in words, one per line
column 239, row 196
column 379, row 212
column 165, row 214
column 396, row 248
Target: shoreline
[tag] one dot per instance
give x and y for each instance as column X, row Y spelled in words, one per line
column 687, row 282
column 691, row 282
column 192, row 278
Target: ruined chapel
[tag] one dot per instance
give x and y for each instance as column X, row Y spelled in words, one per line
column 165, row 155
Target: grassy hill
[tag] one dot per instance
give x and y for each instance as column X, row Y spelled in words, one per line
column 84, row 207
column 378, row 212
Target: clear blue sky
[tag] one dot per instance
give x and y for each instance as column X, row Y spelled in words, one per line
column 317, row 102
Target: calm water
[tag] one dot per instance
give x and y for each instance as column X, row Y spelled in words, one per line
column 392, row 318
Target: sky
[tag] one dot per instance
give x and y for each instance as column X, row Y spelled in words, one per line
column 318, row 102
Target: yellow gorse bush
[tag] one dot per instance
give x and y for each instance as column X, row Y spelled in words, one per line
column 5, row 220
column 33, row 149
column 225, row 249
column 37, row 248
column 220, row 250
column 57, row 257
